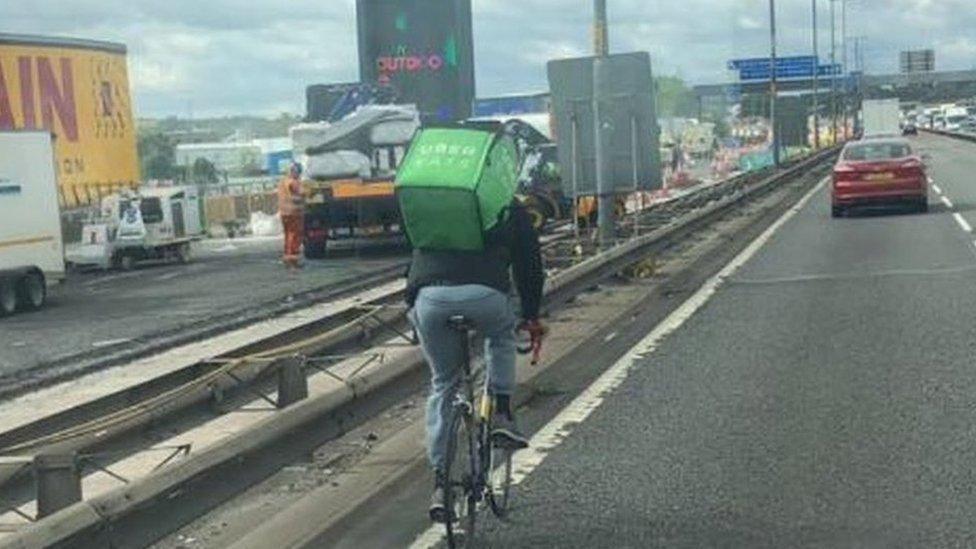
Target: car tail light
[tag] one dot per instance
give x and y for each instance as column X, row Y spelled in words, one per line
column 912, row 167
column 845, row 173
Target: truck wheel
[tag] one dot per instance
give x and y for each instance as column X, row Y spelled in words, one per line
column 123, row 261
column 183, row 254
column 33, row 291
column 8, row 297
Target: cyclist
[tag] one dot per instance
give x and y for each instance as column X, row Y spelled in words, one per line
column 476, row 285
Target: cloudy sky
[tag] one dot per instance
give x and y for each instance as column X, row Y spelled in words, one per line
column 215, row 57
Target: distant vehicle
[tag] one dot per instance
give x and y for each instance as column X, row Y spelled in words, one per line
column 698, row 140
column 878, row 172
column 151, row 224
column 31, row 249
column 909, row 128
column 969, row 125
column 938, row 122
column 881, row 117
column 928, row 117
column 350, row 168
column 955, row 117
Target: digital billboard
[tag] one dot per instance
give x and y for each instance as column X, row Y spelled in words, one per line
column 424, row 49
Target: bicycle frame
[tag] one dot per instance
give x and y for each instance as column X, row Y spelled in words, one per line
column 479, row 423
column 474, row 483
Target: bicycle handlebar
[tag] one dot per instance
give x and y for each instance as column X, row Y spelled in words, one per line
column 534, row 344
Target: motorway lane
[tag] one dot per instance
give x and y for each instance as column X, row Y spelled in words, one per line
column 953, row 172
column 824, row 396
column 95, row 309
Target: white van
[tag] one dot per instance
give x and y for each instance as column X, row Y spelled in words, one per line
column 31, row 247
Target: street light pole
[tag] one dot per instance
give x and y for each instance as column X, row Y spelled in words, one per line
column 602, row 127
column 845, row 71
column 601, row 38
column 772, row 80
column 816, row 80
column 833, row 63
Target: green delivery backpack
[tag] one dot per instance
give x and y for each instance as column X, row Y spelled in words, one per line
column 454, row 185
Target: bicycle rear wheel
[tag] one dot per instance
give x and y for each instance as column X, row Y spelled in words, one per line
column 460, row 470
column 501, row 481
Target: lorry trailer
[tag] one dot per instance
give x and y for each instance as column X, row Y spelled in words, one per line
column 882, row 117
column 79, row 91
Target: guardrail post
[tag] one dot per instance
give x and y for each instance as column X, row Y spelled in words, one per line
column 292, row 383
column 58, row 482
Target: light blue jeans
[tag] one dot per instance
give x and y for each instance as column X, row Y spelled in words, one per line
column 492, row 315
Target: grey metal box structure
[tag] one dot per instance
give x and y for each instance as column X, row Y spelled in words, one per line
column 424, row 49
column 628, row 110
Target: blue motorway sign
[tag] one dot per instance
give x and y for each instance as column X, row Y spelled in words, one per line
column 781, row 62
column 800, row 66
column 830, row 70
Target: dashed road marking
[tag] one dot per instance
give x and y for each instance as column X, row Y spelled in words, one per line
column 962, row 222
column 947, row 202
column 168, row 276
column 937, row 189
column 110, row 342
column 557, row 430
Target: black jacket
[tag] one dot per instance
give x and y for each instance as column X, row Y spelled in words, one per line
column 513, row 245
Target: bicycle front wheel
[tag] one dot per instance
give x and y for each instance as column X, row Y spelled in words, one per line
column 460, row 499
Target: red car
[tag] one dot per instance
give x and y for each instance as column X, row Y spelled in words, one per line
column 879, row 172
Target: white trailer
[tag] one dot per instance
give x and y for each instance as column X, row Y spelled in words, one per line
column 31, row 247
column 882, row 117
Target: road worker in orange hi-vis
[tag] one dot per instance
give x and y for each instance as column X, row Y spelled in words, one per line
column 291, row 208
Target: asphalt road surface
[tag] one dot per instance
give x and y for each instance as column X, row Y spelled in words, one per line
column 94, row 310
column 824, row 396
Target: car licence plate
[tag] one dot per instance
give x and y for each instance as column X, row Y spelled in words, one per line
column 882, row 176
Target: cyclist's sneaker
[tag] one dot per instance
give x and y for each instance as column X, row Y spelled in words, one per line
column 438, row 513
column 506, row 434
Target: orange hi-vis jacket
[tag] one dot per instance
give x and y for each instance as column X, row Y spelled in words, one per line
column 290, row 199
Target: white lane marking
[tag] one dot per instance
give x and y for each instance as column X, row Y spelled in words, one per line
column 851, row 276
column 110, row 342
column 931, row 181
column 947, row 202
column 610, row 337
column 168, row 276
column 937, row 189
column 554, row 432
column 962, row 222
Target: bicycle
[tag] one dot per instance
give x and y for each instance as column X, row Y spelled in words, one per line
column 475, row 471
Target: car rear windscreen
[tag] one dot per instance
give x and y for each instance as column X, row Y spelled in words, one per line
column 877, row 151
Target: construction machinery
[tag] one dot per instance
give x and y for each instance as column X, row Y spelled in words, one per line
column 151, row 224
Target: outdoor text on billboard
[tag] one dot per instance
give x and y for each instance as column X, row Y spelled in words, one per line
column 423, row 48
